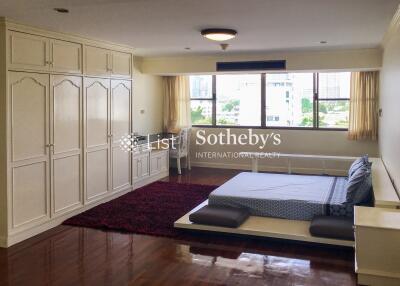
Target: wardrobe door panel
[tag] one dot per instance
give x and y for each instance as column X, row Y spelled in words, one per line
column 97, row 138
column 28, row 98
column 97, row 174
column 66, row 113
column 121, row 64
column 120, row 126
column 67, row 186
column 30, row 194
column 66, row 134
column 97, row 105
column 121, row 177
column 136, row 168
column 121, row 111
column 97, row 61
column 29, row 117
column 66, row 56
column 145, row 165
column 28, row 51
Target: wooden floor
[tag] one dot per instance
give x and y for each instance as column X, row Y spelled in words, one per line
column 77, row 256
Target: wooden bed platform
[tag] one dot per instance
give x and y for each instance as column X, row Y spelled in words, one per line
column 297, row 230
column 264, row 227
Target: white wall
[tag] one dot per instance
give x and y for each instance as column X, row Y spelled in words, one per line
column 311, row 60
column 147, row 101
column 389, row 132
column 294, row 141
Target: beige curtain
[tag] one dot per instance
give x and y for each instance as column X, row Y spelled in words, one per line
column 176, row 103
column 364, row 90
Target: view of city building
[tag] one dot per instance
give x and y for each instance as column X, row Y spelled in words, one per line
column 289, row 100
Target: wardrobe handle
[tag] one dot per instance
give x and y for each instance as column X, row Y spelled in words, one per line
column 49, row 145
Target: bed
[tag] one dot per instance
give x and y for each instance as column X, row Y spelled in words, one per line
column 295, row 197
column 291, row 229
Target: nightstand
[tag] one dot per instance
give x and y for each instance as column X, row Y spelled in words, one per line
column 377, row 246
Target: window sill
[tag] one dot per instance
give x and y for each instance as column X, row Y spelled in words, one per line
column 270, row 127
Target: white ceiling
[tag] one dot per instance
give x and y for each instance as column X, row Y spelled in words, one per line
column 166, row 27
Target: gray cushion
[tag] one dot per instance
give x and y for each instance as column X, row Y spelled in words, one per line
column 332, row 227
column 359, row 186
column 219, row 216
column 360, row 162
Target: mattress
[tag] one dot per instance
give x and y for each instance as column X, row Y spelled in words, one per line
column 297, row 197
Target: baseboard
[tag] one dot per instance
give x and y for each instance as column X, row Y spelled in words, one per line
column 150, row 179
column 378, row 273
column 373, row 280
column 263, row 168
column 3, row 242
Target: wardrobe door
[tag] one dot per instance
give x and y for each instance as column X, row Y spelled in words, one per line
column 28, row 98
column 159, row 161
column 65, row 56
column 97, row 61
column 140, row 166
column 29, row 52
column 97, row 138
column 120, row 127
column 121, row 64
column 66, row 143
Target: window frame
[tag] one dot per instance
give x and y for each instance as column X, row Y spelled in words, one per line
column 263, row 98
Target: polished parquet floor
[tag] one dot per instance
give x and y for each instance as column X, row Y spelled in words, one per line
column 78, row 256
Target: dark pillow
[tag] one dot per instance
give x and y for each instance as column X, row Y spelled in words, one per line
column 332, row 227
column 359, row 186
column 358, row 163
column 219, row 216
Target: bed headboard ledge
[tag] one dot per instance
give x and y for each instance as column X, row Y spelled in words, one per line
column 384, row 192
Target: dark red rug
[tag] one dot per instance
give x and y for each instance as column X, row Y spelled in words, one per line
column 151, row 210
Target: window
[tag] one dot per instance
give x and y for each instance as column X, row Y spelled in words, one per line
column 201, row 96
column 333, row 100
column 297, row 100
column 238, row 100
column 292, row 102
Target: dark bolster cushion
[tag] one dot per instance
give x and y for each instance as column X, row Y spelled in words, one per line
column 219, row 216
column 332, row 227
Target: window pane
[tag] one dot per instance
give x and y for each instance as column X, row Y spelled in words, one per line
column 239, row 100
column 334, row 114
column 201, row 111
column 289, row 99
column 334, row 85
column 201, row 86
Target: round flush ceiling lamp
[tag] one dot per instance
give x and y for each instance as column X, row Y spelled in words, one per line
column 219, row 35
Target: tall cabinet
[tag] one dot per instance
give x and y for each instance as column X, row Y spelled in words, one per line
column 66, row 103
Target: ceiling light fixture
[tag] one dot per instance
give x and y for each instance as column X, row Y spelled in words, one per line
column 61, row 10
column 219, row 35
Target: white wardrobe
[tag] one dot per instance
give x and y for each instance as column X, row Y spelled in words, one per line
column 66, row 103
